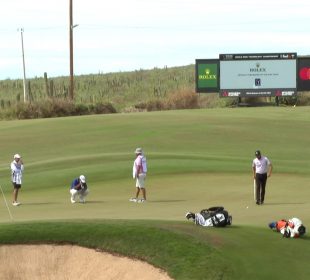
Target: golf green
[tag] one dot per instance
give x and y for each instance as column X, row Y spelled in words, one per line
column 196, row 159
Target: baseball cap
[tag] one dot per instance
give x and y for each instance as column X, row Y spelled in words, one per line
column 257, row 153
column 138, row 151
column 82, row 178
column 16, row 156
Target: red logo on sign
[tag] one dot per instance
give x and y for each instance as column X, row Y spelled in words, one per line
column 278, row 93
column 304, row 73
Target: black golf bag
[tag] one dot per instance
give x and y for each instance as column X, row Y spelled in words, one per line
column 218, row 215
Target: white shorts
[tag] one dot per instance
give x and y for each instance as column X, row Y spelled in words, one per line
column 140, row 181
column 75, row 192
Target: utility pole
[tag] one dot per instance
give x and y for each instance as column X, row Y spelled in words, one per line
column 71, row 87
column 24, row 67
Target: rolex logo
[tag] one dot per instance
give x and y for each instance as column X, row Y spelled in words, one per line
column 258, row 68
column 207, row 75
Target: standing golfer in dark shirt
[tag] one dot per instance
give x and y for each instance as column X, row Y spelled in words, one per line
column 262, row 169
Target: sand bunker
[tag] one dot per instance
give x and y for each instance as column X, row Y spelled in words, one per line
column 70, row 262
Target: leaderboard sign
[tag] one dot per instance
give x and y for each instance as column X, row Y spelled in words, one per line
column 261, row 74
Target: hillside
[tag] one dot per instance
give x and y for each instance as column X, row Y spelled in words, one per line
column 123, row 89
column 140, row 90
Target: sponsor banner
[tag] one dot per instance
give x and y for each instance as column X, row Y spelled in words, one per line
column 255, row 93
column 303, row 75
column 258, row 56
column 207, row 75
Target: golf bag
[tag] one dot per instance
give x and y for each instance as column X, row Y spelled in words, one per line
column 217, row 216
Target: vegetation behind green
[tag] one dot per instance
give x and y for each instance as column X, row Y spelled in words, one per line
column 141, row 90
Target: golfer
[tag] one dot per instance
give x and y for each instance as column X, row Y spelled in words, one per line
column 262, row 169
column 17, row 168
column 139, row 173
column 79, row 188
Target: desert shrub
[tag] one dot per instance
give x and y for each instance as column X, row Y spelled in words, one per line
column 151, row 105
column 103, row 108
column 54, row 108
column 185, row 99
column 178, row 100
column 141, row 106
column 303, row 99
column 81, row 109
column 132, row 109
column 26, row 111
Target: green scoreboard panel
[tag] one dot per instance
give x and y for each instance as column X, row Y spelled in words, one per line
column 207, row 75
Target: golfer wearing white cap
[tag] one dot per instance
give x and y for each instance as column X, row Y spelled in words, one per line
column 139, row 173
column 17, row 168
column 79, row 188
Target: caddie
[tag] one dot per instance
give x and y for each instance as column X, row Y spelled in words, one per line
column 139, row 170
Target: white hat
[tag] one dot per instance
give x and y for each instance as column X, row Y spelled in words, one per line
column 17, row 156
column 138, row 151
column 82, row 178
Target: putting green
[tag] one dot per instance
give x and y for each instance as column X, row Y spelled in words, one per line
column 169, row 198
column 196, row 159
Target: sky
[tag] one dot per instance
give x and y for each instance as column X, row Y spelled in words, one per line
column 128, row 35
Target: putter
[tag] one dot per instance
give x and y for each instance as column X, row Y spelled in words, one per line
column 6, row 203
column 254, row 190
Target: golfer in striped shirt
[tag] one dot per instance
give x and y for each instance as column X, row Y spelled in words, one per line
column 17, row 168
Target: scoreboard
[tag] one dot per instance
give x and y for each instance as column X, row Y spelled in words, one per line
column 260, row 74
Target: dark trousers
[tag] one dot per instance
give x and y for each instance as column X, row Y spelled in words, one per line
column 260, row 180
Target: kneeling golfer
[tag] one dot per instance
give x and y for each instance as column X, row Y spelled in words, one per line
column 79, row 188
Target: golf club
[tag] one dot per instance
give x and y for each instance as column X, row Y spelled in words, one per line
column 254, row 190
column 6, row 203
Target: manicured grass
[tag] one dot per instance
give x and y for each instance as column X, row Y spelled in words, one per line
column 142, row 240
column 196, row 159
column 185, row 251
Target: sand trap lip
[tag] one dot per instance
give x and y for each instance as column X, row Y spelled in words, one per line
column 71, row 262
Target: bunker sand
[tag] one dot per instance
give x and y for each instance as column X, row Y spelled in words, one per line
column 71, row 262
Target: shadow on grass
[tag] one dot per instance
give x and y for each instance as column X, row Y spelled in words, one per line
column 306, row 238
column 283, row 203
column 168, row 200
column 94, row 202
column 40, row 203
